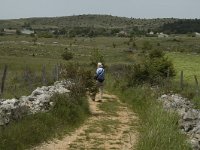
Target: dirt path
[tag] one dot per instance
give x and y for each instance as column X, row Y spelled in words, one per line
column 110, row 127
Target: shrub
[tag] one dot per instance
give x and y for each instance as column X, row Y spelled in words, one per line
column 146, row 46
column 153, row 70
column 156, row 53
column 67, row 55
column 82, row 77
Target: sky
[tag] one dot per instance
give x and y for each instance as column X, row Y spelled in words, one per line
column 14, row 9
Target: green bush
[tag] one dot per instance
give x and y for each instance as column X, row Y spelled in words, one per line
column 156, row 53
column 146, row 46
column 81, row 76
column 153, row 70
column 67, row 55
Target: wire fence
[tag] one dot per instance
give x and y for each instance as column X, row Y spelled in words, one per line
column 190, row 81
column 27, row 78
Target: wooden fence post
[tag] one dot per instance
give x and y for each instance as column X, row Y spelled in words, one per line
column 54, row 73
column 44, row 81
column 181, row 80
column 57, row 72
column 3, row 79
column 168, row 73
column 197, row 85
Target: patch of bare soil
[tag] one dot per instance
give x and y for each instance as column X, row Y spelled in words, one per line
column 112, row 126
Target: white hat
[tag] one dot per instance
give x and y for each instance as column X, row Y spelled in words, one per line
column 99, row 64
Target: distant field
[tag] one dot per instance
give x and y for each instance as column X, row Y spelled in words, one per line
column 19, row 52
column 188, row 63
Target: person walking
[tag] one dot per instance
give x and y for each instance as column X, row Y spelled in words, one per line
column 100, row 77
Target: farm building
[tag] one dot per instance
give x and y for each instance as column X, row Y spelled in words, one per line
column 10, row 31
column 162, row 35
column 197, row 34
column 26, row 31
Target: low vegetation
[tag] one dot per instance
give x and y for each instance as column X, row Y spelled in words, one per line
column 70, row 111
column 67, row 55
column 140, row 63
column 189, row 64
column 158, row 129
column 133, row 84
column 66, row 115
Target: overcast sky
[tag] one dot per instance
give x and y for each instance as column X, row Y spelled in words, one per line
column 10, row 9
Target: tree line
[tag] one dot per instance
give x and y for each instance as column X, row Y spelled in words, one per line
column 182, row 26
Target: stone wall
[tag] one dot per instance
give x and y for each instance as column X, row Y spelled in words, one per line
column 189, row 121
column 38, row 101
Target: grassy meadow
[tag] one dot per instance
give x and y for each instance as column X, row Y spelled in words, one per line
column 20, row 53
column 188, row 63
column 158, row 129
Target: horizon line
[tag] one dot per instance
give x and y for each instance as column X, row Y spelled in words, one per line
column 96, row 15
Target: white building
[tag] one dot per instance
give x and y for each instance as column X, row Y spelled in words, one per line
column 197, row 34
column 151, row 33
column 162, row 35
column 26, row 31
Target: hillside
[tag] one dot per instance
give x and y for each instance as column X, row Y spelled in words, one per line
column 96, row 21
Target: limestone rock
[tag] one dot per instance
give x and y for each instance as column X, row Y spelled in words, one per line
column 189, row 121
column 38, row 101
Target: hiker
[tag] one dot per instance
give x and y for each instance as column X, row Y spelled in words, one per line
column 100, row 79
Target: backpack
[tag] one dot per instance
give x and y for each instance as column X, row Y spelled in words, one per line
column 100, row 77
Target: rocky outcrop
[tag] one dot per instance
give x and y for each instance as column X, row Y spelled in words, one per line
column 38, row 101
column 189, row 121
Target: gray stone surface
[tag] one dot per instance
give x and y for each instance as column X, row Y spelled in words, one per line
column 38, row 101
column 189, row 121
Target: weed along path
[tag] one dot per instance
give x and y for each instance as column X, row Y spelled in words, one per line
column 111, row 126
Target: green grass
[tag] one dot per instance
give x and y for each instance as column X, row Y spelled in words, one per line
column 189, row 64
column 34, row 129
column 158, row 129
column 17, row 53
column 15, row 85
